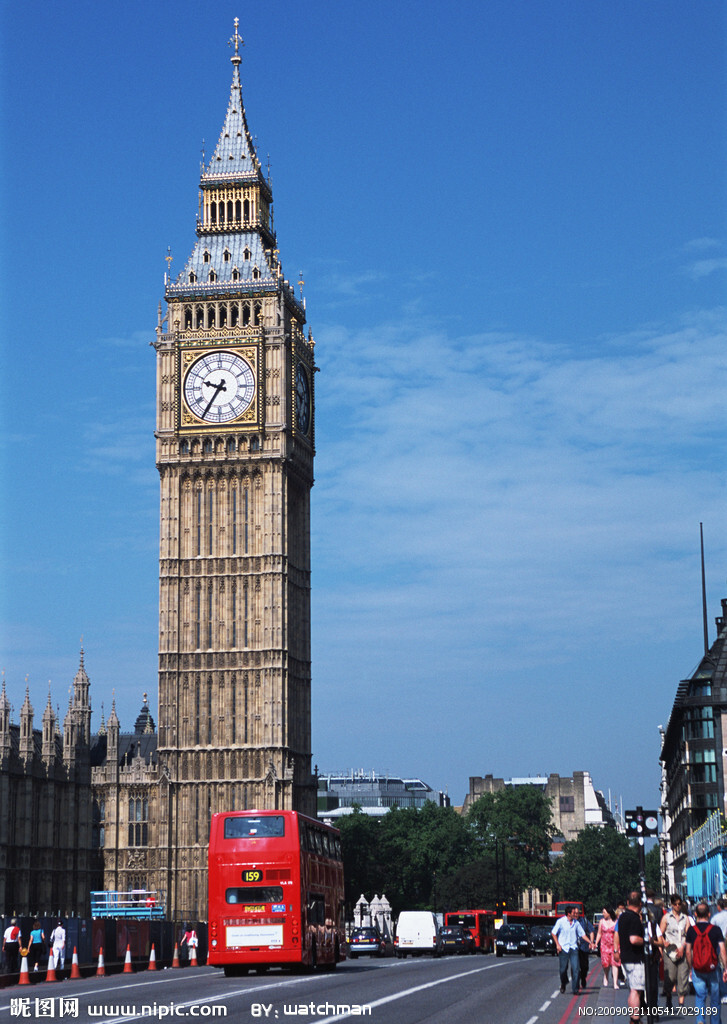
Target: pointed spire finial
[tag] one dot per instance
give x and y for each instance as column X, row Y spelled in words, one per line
column 236, row 40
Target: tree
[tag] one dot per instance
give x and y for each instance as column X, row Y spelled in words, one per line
column 515, row 824
column 407, row 854
column 600, row 868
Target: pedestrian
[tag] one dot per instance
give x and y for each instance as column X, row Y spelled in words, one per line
column 36, row 944
column 655, row 912
column 604, row 938
column 189, row 940
column 58, row 941
column 629, row 944
column 720, row 919
column 566, row 933
column 585, row 945
column 707, row 958
column 11, row 946
column 674, row 927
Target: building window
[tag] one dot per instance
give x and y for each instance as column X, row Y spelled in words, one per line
column 138, row 821
column 567, row 805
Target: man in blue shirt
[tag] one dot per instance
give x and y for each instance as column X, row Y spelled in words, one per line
column 566, row 935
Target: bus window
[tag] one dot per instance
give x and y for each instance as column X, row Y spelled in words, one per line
column 255, row 894
column 270, row 827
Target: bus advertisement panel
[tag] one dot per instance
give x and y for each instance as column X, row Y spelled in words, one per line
column 275, row 889
column 480, row 922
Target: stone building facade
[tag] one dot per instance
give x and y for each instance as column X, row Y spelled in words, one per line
column 48, row 861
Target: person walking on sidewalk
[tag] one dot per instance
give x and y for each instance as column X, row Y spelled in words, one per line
column 566, row 934
column 629, row 945
column 674, row 927
column 707, row 959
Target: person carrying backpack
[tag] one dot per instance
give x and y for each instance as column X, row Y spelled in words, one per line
column 707, row 958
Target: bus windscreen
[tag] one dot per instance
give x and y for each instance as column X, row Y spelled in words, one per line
column 269, row 827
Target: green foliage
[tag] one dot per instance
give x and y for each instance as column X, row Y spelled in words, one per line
column 433, row 858
column 599, row 867
column 405, row 854
column 515, row 825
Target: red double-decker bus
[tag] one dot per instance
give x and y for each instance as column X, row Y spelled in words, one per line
column 275, row 889
column 480, row 922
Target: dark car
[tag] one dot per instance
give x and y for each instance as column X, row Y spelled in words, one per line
column 367, row 942
column 513, row 938
column 456, row 939
column 541, row 940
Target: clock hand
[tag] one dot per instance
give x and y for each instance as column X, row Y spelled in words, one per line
column 218, row 387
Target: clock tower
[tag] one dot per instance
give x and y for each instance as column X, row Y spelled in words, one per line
column 234, row 450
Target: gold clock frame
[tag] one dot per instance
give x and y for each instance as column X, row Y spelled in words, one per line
column 250, row 420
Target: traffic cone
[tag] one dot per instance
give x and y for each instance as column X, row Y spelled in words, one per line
column 128, row 966
column 24, row 978
column 75, row 969
column 50, row 974
column 193, row 957
column 152, row 959
column 101, row 969
column 175, row 958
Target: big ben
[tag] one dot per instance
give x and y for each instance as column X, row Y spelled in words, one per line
column 234, row 450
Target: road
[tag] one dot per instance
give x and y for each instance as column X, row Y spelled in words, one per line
column 412, row 991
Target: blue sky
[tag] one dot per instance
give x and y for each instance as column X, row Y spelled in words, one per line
column 510, row 220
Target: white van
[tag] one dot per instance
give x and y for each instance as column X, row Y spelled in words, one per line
column 417, row 932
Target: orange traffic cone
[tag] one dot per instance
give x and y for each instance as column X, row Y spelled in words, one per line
column 50, row 974
column 128, row 966
column 101, row 969
column 24, row 978
column 175, row 958
column 75, row 969
column 193, row 956
column 152, row 959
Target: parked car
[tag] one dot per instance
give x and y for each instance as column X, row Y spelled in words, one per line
column 541, row 940
column 513, row 938
column 456, row 939
column 417, row 932
column 367, row 941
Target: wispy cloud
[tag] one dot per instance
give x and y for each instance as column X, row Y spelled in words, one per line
column 477, row 490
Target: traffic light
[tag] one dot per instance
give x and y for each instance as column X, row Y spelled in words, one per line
column 641, row 823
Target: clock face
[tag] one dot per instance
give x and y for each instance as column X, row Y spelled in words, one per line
column 302, row 399
column 219, row 387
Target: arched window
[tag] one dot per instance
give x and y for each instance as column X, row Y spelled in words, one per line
column 226, row 255
column 246, row 253
column 234, row 313
column 205, row 256
column 235, row 274
column 213, row 213
column 211, row 312
column 256, row 273
column 223, row 316
column 199, row 316
column 238, row 210
column 246, row 209
column 230, row 209
column 187, row 318
column 184, row 447
column 192, row 277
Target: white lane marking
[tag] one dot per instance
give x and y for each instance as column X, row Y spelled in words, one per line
column 532, row 1020
column 411, row 991
column 555, row 994
column 545, row 1006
